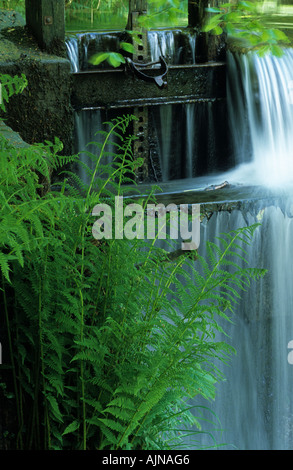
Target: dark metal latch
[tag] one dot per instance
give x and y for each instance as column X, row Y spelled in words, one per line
column 159, row 79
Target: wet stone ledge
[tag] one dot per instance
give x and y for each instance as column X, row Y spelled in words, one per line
column 121, row 88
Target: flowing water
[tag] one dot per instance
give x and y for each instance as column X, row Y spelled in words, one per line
column 255, row 402
column 261, row 103
column 81, row 46
column 162, row 43
column 166, row 43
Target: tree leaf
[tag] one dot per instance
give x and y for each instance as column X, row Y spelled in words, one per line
column 213, row 10
column 96, row 59
column 128, row 47
column 277, row 50
column 115, row 59
column 217, row 30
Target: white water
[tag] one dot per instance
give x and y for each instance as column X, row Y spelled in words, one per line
column 161, row 43
column 261, row 111
column 88, row 143
column 73, row 54
column 254, row 404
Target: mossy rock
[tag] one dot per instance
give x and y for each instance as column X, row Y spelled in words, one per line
column 10, row 18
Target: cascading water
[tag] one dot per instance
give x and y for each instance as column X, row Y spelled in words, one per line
column 190, row 139
column 254, row 403
column 81, row 46
column 162, row 43
column 260, row 101
column 166, row 43
column 84, row 135
column 88, row 142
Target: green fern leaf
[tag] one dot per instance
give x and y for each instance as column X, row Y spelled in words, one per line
column 72, row 427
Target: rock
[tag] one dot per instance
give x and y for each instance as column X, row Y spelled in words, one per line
column 10, row 19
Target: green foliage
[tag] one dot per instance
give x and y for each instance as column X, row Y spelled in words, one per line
column 158, row 11
column 10, row 86
column 115, row 59
column 163, row 12
column 243, row 20
column 109, row 339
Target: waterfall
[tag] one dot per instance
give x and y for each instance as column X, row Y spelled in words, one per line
column 174, row 137
column 162, row 43
column 254, row 403
column 166, row 43
column 73, row 53
column 190, row 130
column 192, row 43
column 88, row 141
column 81, row 46
column 260, row 102
column 87, row 123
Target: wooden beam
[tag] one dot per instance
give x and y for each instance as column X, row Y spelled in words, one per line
column 46, row 20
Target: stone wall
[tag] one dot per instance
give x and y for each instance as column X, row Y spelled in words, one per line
column 43, row 111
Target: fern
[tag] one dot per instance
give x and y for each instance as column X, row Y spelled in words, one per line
column 10, row 86
column 108, row 339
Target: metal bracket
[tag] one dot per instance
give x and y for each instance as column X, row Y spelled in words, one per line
column 48, row 20
column 159, row 80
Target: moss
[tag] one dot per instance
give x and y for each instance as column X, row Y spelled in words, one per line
column 17, row 42
column 10, row 18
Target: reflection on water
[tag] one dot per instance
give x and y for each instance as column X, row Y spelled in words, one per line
column 113, row 14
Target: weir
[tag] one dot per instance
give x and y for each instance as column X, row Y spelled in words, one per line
column 193, row 84
column 253, row 406
column 195, row 92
